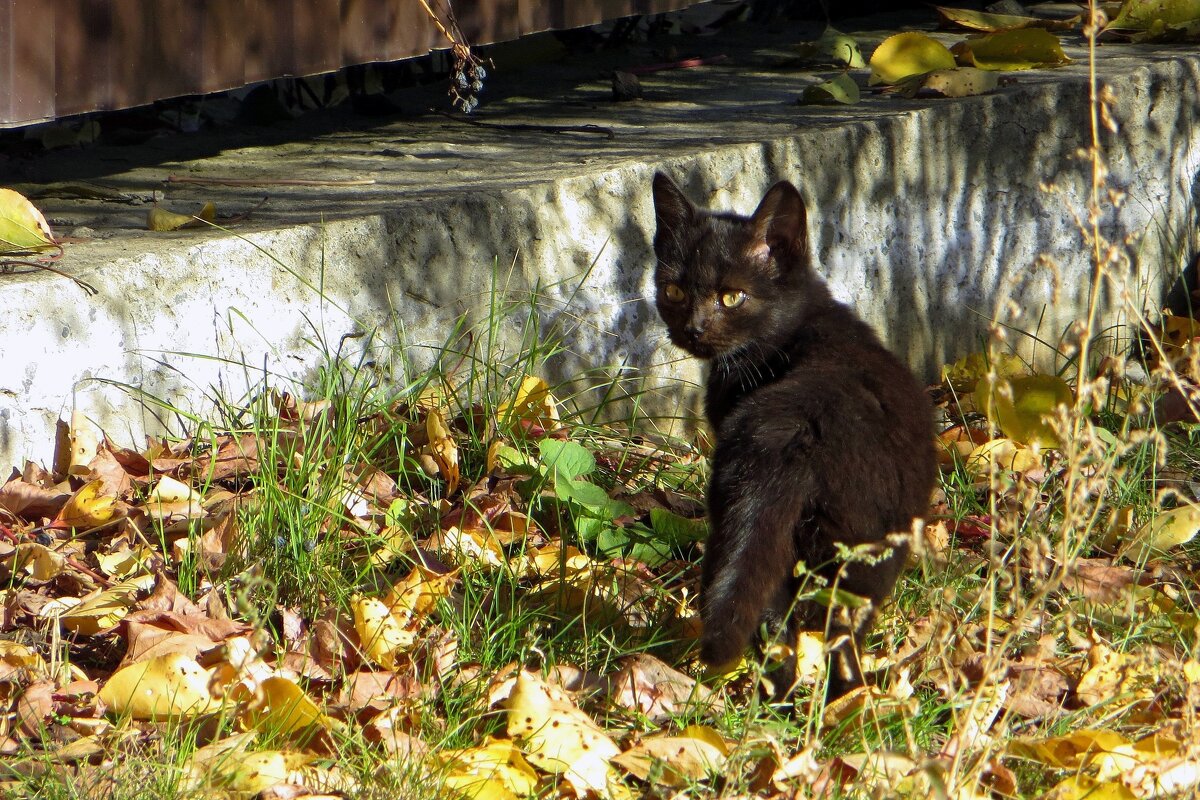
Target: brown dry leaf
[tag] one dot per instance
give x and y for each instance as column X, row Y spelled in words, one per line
column 1101, row 581
column 34, row 706
column 696, row 753
column 558, row 737
column 387, row 729
column 114, row 478
column 973, row 20
column 370, row 687
column 31, row 501
column 651, row 687
column 155, row 633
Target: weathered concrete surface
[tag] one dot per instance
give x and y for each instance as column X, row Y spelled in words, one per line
column 924, row 215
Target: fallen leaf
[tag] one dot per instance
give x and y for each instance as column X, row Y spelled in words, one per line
column 1026, row 48
column 557, row 736
column 906, row 54
column 1024, row 407
column 841, row 89
column 165, row 688
column 383, row 638
column 88, row 507
column 696, row 753
column 23, row 229
column 1166, row 530
column 983, row 21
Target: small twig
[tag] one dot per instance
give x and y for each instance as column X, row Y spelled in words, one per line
column 267, row 181
column 6, row 269
column 686, row 63
column 516, row 126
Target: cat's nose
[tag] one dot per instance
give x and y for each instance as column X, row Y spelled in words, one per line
column 693, row 330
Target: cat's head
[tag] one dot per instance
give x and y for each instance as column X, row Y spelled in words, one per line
column 725, row 282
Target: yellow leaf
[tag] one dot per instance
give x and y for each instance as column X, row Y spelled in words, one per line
column 159, row 219
column 417, row 593
column 282, row 707
column 167, row 687
column 695, row 754
column 383, row 637
column 98, row 613
column 88, row 508
column 169, row 490
column 1027, row 48
column 841, row 89
column 494, row 769
column 1168, row 529
column 964, row 374
column 1082, row 787
column 558, row 737
column 442, row 449
column 38, row 561
column 1005, row 455
column 23, row 229
column 1022, row 407
column 906, row 54
column 832, row 47
column 14, row 657
column 532, row 407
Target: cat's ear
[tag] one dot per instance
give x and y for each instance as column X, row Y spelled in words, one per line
column 781, row 222
column 671, row 209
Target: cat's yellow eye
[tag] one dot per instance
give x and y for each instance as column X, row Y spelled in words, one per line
column 733, row 299
column 673, row 292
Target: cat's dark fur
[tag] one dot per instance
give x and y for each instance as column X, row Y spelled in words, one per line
column 822, row 435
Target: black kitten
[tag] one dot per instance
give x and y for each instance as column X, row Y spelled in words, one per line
column 823, row 437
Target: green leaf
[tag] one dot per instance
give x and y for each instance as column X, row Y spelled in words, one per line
column 677, row 530
column 827, row 597
column 566, row 458
column 402, row 513
column 636, row 542
column 582, row 492
column 833, row 47
column 23, row 229
column 592, row 529
column 1152, row 15
column 841, row 89
column 1028, row 48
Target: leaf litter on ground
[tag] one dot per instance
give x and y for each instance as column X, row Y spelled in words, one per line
column 595, row 534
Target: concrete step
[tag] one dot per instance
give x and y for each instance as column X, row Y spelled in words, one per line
column 926, row 215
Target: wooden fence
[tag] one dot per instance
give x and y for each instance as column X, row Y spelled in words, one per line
column 64, row 57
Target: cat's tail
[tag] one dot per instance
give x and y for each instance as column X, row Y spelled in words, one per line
column 748, row 565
